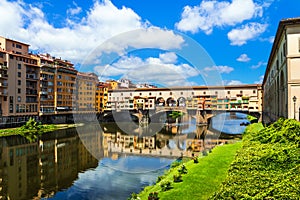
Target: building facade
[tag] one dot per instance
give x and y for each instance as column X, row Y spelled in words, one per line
column 86, row 92
column 101, row 97
column 19, row 82
column 239, row 97
column 281, row 83
column 47, row 85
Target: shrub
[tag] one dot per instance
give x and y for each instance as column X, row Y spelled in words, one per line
column 267, row 166
column 165, row 186
column 153, row 196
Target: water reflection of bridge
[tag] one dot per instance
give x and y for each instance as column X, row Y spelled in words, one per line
column 162, row 144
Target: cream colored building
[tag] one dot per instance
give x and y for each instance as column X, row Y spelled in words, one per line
column 282, row 77
column 238, row 97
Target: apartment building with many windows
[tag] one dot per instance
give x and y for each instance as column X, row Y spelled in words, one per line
column 19, row 81
column 47, row 84
column 65, row 80
column 281, row 83
column 86, row 91
column 101, row 97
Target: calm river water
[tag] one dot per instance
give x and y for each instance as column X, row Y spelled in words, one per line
column 98, row 162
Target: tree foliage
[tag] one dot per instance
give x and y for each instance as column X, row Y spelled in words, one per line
column 31, row 130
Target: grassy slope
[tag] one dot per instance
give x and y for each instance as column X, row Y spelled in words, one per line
column 202, row 179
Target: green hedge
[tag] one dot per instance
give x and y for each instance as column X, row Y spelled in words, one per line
column 267, row 166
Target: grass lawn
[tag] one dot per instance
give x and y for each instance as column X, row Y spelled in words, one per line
column 202, row 179
column 47, row 128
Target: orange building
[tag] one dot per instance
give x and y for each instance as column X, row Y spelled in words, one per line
column 101, row 96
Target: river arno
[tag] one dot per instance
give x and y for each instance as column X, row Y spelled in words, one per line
column 88, row 163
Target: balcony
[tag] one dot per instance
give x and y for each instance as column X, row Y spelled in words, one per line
column 31, row 92
column 3, row 84
column 3, row 67
column 4, row 93
column 43, row 93
column 3, row 75
column 31, row 76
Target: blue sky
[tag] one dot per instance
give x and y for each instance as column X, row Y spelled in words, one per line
column 153, row 40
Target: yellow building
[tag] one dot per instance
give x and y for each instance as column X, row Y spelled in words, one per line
column 112, row 84
column 101, row 96
column 86, row 88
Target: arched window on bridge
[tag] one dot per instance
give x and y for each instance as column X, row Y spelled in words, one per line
column 160, row 101
column 181, row 102
column 171, row 102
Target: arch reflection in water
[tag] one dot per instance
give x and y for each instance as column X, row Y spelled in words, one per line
column 234, row 123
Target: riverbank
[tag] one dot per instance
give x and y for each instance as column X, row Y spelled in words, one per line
column 46, row 128
column 201, row 180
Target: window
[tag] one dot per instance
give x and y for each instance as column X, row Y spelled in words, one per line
column 19, row 66
column 19, row 74
column 19, row 90
column 11, row 108
column 19, row 82
column 228, row 92
column 19, row 99
column 216, row 92
column 204, row 92
column 254, row 91
column 241, row 92
column 59, row 76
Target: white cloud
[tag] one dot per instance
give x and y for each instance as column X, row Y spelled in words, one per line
column 78, row 37
column 259, row 64
column 162, row 70
column 220, row 69
column 74, row 11
column 234, row 82
column 240, row 36
column 169, row 57
column 212, row 13
column 243, row 58
column 269, row 39
column 261, row 78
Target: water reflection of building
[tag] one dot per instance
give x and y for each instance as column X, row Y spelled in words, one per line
column 161, row 144
column 40, row 169
column 18, row 166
